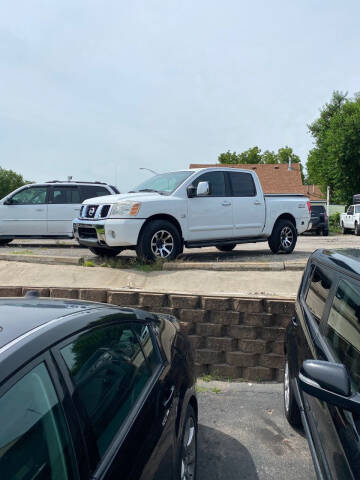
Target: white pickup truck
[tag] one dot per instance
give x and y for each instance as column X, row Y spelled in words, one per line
column 219, row 207
column 350, row 220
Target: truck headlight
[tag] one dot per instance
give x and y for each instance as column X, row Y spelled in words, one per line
column 125, row 208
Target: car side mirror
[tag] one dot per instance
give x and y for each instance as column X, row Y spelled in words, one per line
column 203, row 189
column 330, row 383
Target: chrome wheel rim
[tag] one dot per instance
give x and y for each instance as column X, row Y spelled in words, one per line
column 162, row 244
column 286, row 237
column 188, row 454
column 287, row 387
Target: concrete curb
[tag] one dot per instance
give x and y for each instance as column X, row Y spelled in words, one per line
column 171, row 266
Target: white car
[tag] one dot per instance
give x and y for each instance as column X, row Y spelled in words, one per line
column 194, row 208
column 46, row 210
column 350, row 220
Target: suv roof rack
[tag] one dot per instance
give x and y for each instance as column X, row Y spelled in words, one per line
column 75, row 181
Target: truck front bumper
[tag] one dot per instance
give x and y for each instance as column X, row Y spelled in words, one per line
column 115, row 232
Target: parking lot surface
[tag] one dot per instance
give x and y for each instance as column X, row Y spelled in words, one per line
column 243, row 434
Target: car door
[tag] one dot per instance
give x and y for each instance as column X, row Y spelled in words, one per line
column 112, row 373
column 25, row 213
column 64, row 206
column 248, row 205
column 340, row 429
column 35, row 442
column 210, row 217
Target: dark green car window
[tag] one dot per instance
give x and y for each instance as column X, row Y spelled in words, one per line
column 34, row 442
column 109, row 372
column 343, row 330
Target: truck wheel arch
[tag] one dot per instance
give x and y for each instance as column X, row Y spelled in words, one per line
column 163, row 216
column 286, row 216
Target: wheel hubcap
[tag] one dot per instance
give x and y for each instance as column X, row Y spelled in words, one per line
column 287, row 387
column 162, row 244
column 286, row 237
column 188, row 454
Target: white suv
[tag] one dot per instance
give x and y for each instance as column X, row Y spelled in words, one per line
column 46, row 210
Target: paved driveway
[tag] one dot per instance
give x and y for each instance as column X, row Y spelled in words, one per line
column 243, row 435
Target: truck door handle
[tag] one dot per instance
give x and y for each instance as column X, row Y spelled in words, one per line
column 226, row 204
column 39, row 209
column 77, row 209
column 257, row 203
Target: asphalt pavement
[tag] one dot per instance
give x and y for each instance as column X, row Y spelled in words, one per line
column 244, row 435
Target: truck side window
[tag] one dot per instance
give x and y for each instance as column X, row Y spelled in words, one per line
column 216, row 182
column 343, row 330
column 318, row 293
column 350, row 210
column 242, row 184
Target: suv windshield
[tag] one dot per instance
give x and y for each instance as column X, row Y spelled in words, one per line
column 164, row 183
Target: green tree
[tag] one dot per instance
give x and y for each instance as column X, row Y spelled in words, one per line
column 228, row 157
column 335, row 159
column 9, row 181
column 285, row 154
column 269, row 157
column 252, row 155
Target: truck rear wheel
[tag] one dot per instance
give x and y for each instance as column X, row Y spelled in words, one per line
column 106, row 252
column 357, row 229
column 159, row 239
column 226, row 247
column 344, row 230
column 283, row 237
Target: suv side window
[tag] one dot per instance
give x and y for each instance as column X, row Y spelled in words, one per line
column 109, row 373
column 343, row 329
column 64, row 195
column 34, row 441
column 92, row 191
column 30, row 196
column 242, row 184
column 216, row 182
column 318, row 293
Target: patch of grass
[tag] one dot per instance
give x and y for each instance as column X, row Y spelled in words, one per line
column 206, row 377
column 89, row 263
column 124, row 263
column 201, row 389
column 216, row 390
column 23, row 252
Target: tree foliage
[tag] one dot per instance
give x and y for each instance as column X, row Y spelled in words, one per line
column 9, row 181
column 253, row 155
column 335, row 159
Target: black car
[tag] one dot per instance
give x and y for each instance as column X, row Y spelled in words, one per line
column 322, row 368
column 319, row 220
column 94, row 391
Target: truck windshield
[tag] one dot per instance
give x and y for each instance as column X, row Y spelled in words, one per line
column 164, row 183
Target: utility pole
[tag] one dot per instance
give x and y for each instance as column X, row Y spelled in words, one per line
column 328, row 200
column 149, row 170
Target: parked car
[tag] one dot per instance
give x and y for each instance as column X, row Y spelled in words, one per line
column 319, row 220
column 194, row 208
column 322, row 368
column 350, row 220
column 94, row 391
column 46, row 210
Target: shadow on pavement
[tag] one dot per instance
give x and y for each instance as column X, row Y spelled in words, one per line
column 222, row 457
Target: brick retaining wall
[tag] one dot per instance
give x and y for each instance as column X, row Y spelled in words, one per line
column 232, row 337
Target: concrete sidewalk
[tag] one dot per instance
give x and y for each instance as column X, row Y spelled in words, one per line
column 249, row 283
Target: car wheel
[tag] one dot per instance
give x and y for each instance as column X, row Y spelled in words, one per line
column 5, row 241
column 357, row 229
column 317, row 232
column 159, row 239
column 325, row 233
column 283, row 237
column 291, row 408
column 226, row 247
column 188, row 447
column 343, row 229
column 106, row 252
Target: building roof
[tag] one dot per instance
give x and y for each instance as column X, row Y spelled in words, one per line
column 276, row 178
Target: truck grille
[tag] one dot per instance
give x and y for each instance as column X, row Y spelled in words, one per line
column 85, row 232
column 104, row 211
column 91, row 211
column 94, row 211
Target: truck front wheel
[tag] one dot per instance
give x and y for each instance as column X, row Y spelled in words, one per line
column 159, row 239
column 283, row 237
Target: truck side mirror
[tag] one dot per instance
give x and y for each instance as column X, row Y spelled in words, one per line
column 203, row 189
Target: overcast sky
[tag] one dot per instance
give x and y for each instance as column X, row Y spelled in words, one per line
column 97, row 89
